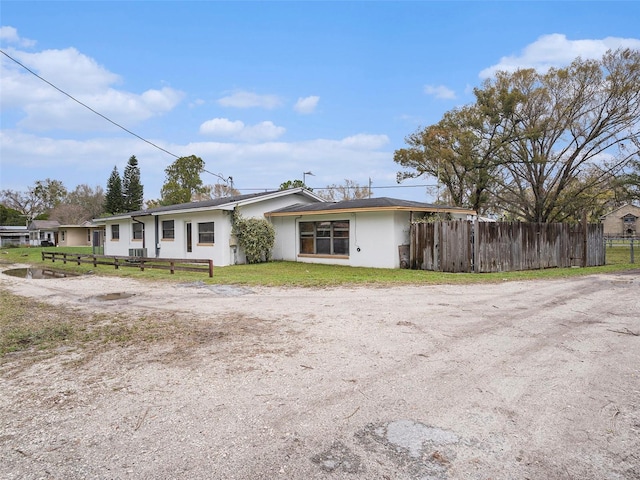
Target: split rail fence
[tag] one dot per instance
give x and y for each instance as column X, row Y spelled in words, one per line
column 171, row 264
column 482, row 247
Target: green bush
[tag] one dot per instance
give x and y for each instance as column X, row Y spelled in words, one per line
column 256, row 237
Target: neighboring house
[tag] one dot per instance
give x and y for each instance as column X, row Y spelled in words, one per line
column 365, row 233
column 43, row 233
column 622, row 222
column 85, row 235
column 13, row 236
column 199, row 230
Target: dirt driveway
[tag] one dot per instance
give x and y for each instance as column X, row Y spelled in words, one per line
column 518, row 380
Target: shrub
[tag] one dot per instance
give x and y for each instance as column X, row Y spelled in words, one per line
column 256, row 237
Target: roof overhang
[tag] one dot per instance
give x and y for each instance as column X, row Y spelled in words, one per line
column 460, row 211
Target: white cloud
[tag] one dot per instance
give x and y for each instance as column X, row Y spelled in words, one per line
column 440, row 91
column 306, row 105
column 556, row 50
column 85, row 80
column 244, row 99
column 364, row 141
column 262, row 131
column 10, row 35
column 237, row 130
column 221, row 127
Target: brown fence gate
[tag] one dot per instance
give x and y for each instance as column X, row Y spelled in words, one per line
column 464, row 246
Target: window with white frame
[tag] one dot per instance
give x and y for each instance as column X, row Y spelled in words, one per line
column 115, row 232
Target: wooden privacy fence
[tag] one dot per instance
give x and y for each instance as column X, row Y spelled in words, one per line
column 481, row 247
column 171, row 264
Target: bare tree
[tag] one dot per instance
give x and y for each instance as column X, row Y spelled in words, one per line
column 349, row 190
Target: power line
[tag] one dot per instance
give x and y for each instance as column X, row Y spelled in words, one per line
column 87, row 106
column 227, row 180
column 339, row 187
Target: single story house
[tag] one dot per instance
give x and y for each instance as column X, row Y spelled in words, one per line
column 199, row 230
column 43, row 233
column 86, row 234
column 14, row 236
column 622, row 222
column 367, row 232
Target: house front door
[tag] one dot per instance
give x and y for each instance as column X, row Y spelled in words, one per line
column 189, row 243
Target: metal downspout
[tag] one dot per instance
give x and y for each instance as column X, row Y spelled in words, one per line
column 144, row 241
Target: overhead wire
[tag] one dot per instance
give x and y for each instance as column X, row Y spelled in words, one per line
column 87, row 106
column 227, row 180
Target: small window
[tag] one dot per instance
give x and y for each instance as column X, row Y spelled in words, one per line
column 138, row 229
column 115, row 232
column 88, row 236
column 205, row 232
column 168, row 230
column 62, row 235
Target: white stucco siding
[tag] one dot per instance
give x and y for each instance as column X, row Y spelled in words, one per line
column 223, row 252
column 177, row 247
column 378, row 235
column 374, row 238
column 286, row 243
column 119, row 246
column 258, row 209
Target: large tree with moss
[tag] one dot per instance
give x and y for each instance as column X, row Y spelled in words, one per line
column 536, row 146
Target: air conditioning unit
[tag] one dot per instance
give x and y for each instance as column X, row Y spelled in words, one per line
column 138, row 252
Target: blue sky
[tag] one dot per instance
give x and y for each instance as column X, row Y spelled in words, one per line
column 264, row 91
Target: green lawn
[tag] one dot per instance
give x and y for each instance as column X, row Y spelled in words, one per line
column 26, row 325
column 310, row 275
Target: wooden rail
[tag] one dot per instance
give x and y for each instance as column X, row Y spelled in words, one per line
column 171, row 264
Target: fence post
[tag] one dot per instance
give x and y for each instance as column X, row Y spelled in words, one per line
column 172, row 265
column 475, row 235
column 584, row 239
column 632, row 256
column 210, row 268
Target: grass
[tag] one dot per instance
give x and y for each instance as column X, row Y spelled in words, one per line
column 26, row 325
column 42, row 329
column 314, row 275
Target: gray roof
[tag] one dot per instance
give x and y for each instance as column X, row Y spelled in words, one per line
column 214, row 202
column 381, row 203
column 44, row 225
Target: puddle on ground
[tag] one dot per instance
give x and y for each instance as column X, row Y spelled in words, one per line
column 38, row 273
column 107, row 297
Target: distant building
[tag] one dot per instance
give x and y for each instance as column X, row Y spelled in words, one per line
column 622, row 222
column 43, row 233
column 83, row 235
column 17, row 236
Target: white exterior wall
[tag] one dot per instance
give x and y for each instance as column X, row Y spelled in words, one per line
column 223, row 252
column 376, row 234
column 177, row 247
